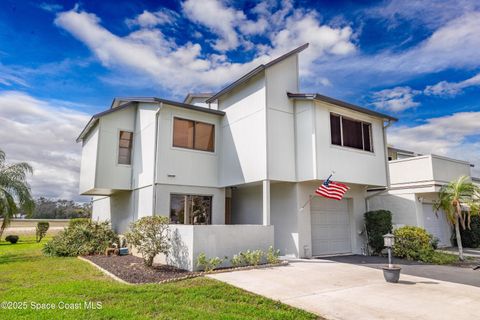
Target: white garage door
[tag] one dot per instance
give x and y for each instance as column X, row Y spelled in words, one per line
column 330, row 227
column 437, row 226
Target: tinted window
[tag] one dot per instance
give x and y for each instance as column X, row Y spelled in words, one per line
column 190, row 209
column 125, row 147
column 366, row 137
column 183, row 133
column 335, row 129
column 352, row 133
column 204, row 136
column 193, row 135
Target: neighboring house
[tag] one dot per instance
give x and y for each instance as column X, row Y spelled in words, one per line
column 233, row 170
column 415, row 181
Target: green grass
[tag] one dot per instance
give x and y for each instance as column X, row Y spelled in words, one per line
column 28, row 276
column 443, row 258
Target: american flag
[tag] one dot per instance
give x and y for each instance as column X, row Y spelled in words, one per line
column 332, row 190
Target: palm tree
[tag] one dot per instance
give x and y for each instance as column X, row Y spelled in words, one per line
column 456, row 199
column 14, row 190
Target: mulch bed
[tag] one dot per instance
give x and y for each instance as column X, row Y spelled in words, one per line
column 133, row 270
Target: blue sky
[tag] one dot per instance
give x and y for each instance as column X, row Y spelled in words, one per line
column 61, row 61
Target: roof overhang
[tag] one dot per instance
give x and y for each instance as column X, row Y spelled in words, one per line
column 254, row 72
column 339, row 103
column 126, row 102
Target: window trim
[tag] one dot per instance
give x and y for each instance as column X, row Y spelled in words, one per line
column 371, row 151
column 119, row 130
column 189, row 194
column 194, row 128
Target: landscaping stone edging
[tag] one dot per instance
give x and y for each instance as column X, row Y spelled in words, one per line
column 106, row 272
column 190, row 276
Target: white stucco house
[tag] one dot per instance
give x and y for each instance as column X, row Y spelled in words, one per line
column 415, row 181
column 235, row 170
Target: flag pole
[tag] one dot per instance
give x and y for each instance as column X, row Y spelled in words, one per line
column 310, row 197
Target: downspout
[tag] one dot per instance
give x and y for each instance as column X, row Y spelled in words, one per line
column 387, row 169
column 154, row 189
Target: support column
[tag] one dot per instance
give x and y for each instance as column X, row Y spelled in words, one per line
column 266, row 202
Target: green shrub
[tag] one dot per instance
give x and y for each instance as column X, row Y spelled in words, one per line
column 237, row 260
column 150, row 236
column 41, row 230
column 81, row 239
column 12, row 239
column 272, row 255
column 377, row 223
column 74, row 222
column 252, row 258
column 208, row 264
column 471, row 237
column 413, row 243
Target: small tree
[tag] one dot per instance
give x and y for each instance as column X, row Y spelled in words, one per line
column 14, row 190
column 150, row 236
column 41, row 230
column 457, row 199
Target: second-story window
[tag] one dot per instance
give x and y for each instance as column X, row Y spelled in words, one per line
column 193, row 135
column 125, row 147
column 350, row 133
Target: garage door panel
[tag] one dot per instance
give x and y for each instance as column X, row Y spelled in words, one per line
column 331, row 232
column 436, row 224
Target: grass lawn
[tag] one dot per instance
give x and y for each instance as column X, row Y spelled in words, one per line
column 28, row 276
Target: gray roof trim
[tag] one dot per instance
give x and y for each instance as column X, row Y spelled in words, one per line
column 254, row 72
column 130, row 101
column 340, row 103
column 191, row 96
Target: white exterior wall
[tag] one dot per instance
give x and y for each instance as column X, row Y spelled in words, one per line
column 110, row 174
column 101, row 209
column 215, row 241
column 280, row 79
column 285, row 218
column 89, row 161
column 247, row 204
column 350, row 165
column 218, row 199
column 243, row 155
column 144, row 145
column 190, row 167
column 418, row 170
column 403, row 206
column 305, row 134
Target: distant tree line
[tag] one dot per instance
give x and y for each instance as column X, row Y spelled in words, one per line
column 60, row 209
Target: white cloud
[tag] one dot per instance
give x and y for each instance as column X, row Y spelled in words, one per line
column 150, row 53
column 43, row 134
column 456, row 136
column 149, row 19
column 396, row 99
column 219, row 18
column 429, row 13
column 50, row 7
column 451, row 89
column 454, row 45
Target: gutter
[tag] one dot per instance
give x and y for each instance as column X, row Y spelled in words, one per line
column 155, row 148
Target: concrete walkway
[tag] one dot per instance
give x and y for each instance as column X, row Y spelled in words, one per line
column 346, row 291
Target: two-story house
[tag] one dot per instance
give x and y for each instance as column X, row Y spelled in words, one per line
column 238, row 169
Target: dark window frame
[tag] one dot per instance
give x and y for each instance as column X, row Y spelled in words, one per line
column 190, row 197
column 363, row 124
column 129, row 148
column 195, row 122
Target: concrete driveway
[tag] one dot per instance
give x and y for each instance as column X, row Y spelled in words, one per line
column 346, row 291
